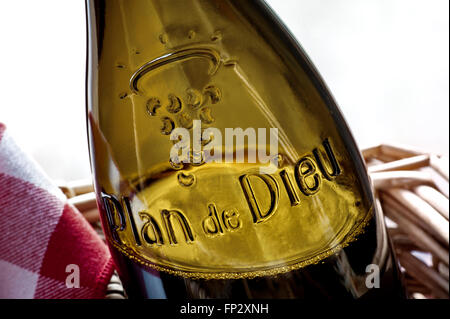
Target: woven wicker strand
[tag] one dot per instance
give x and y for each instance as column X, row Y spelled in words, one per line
column 115, row 290
column 413, row 187
column 412, row 191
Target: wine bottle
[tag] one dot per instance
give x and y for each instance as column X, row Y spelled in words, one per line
column 223, row 167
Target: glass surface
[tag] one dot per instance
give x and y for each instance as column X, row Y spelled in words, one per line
column 297, row 222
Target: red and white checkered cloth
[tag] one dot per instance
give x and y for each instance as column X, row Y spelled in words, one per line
column 40, row 235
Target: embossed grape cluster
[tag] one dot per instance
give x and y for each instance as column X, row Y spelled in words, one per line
column 182, row 113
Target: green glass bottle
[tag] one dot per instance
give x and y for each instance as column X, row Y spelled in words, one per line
column 223, row 167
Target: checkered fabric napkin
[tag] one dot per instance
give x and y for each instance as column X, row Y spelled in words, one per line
column 44, row 242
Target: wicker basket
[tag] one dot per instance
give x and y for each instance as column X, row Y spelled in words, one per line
column 412, row 189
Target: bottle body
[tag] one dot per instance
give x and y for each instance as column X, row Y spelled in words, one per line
column 222, row 165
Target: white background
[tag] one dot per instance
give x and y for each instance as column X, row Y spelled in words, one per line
column 385, row 61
